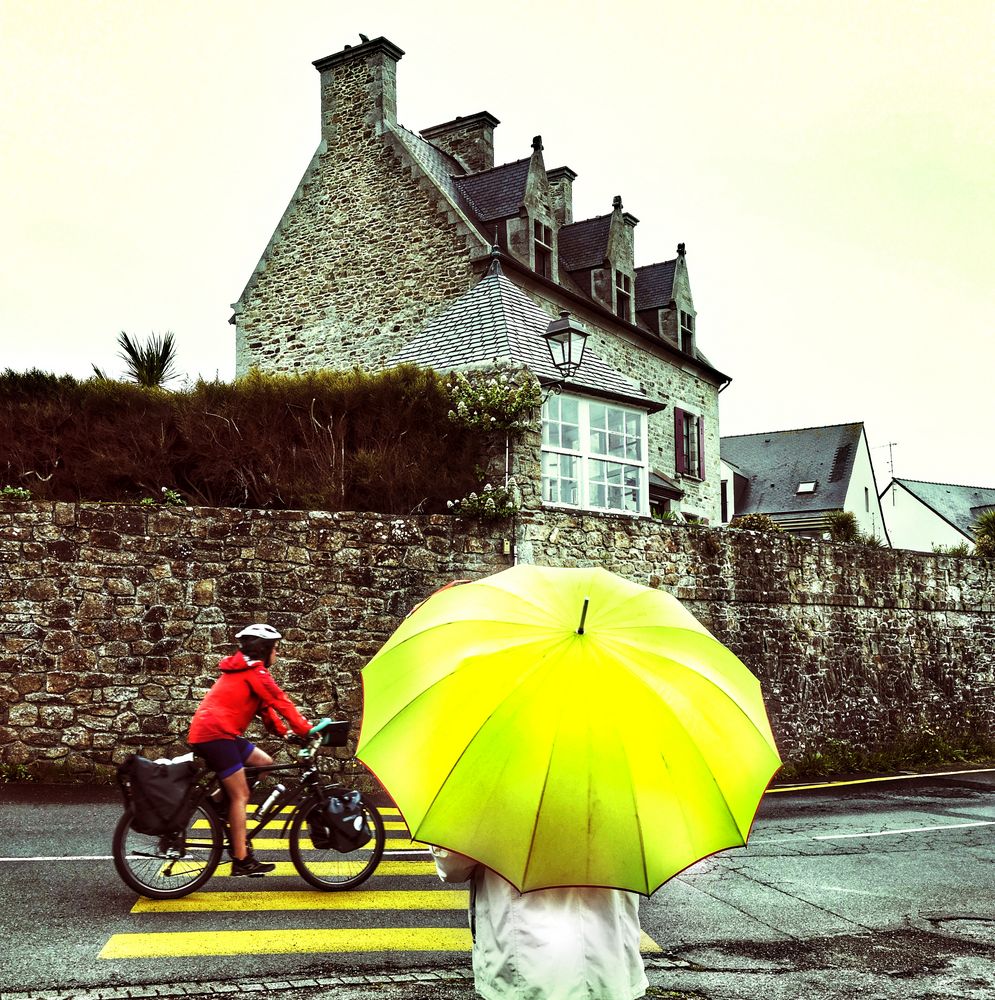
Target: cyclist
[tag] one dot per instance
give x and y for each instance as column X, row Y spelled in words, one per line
column 244, row 689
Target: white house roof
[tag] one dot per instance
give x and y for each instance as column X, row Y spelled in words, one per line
column 496, row 321
column 959, row 506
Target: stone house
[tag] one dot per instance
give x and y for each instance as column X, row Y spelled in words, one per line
column 800, row 477
column 922, row 515
column 390, row 230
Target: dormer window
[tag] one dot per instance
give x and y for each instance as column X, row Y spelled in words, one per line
column 543, row 249
column 687, row 331
column 623, row 295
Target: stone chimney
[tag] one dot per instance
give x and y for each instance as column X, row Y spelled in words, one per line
column 469, row 139
column 358, row 89
column 561, row 186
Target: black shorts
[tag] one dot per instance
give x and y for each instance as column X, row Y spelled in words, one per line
column 225, row 757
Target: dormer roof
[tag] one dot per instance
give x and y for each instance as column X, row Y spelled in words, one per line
column 655, row 285
column 584, row 245
column 495, row 194
column 496, row 321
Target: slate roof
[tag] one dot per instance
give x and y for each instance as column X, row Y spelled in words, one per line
column 497, row 321
column 776, row 462
column 957, row 505
column 655, row 285
column 497, row 193
column 584, row 244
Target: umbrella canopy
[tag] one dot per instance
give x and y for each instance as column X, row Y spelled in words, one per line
column 567, row 727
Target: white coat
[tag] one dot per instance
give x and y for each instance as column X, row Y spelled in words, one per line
column 575, row 943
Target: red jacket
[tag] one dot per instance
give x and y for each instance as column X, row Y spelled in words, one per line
column 244, row 689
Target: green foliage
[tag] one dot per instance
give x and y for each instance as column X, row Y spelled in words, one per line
column 169, row 497
column 984, row 535
column 915, row 750
column 494, row 401
column 15, row 774
column 322, row 440
column 843, row 526
column 492, row 503
column 151, row 364
column 755, row 522
column 872, row 541
column 960, row 551
column 664, row 515
column 15, row 493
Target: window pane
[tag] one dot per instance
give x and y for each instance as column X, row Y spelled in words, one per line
column 616, row 421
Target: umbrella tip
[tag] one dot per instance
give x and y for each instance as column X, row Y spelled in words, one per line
column 583, row 615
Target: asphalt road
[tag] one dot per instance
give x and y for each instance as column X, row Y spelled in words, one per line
column 882, row 890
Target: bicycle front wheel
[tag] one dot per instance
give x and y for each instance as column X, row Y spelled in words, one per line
column 169, row 867
column 328, row 869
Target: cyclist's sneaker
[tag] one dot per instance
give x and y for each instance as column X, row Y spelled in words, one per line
column 250, row 867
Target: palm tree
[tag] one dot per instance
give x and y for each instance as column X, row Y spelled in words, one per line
column 984, row 534
column 152, row 364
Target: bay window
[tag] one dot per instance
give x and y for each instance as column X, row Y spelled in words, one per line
column 594, row 455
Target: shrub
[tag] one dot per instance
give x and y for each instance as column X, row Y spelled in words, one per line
column 984, row 535
column 843, row 526
column 15, row 493
column 494, row 401
column 961, row 550
column 755, row 522
column 325, row 440
column 491, row 503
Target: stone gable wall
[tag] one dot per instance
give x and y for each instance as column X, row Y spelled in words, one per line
column 114, row 617
column 364, row 257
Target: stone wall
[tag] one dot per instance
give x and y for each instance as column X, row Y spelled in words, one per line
column 113, row 617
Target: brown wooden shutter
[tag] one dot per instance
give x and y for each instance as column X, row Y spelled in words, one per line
column 679, row 458
column 701, row 447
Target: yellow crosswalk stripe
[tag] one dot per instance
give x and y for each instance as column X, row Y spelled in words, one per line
column 177, row 944
column 325, row 868
column 186, row 944
column 228, row 902
column 389, row 824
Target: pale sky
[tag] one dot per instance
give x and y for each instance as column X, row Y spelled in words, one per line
column 828, row 164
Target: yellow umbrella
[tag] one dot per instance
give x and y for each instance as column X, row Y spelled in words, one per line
column 567, row 727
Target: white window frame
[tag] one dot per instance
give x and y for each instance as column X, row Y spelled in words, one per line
column 583, row 457
column 685, row 327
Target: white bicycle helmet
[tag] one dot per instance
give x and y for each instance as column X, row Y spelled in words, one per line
column 259, row 631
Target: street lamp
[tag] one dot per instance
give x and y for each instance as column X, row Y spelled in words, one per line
column 566, row 341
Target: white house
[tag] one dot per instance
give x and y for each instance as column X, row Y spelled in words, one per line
column 922, row 515
column 799, row 477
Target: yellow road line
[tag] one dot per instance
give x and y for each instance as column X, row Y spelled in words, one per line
column 385, row 868
column 869, row 781
column 184, row 944
column 226, row 902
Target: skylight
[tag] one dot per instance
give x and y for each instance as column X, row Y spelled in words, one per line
column 806, row 488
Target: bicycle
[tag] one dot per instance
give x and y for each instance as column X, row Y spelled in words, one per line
column 174, row 865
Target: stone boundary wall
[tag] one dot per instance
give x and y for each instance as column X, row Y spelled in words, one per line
column 113, row 617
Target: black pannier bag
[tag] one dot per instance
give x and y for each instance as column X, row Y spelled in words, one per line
column 157, row 794
column 341, row 825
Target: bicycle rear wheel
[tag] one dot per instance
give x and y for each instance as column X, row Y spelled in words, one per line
column 328, row 869
column 168, row 867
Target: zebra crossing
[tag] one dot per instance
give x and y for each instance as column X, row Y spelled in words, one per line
column 338, row 922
